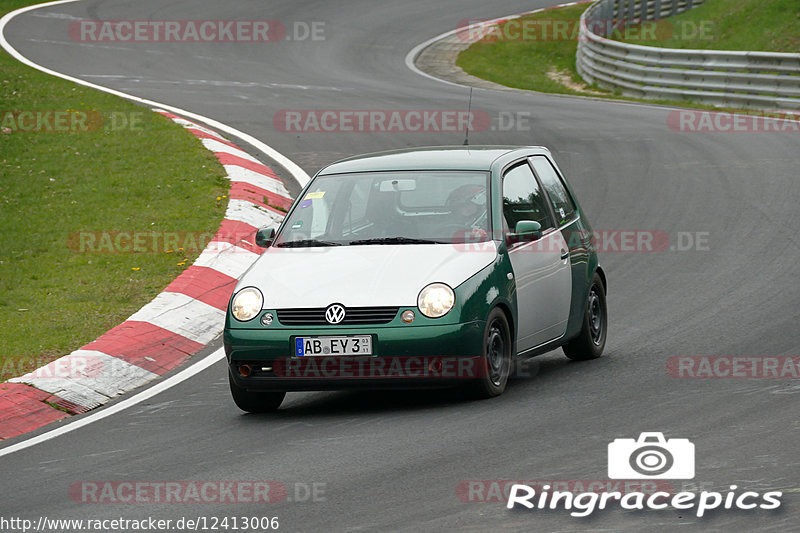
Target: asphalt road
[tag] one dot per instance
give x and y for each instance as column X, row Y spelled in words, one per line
column 393, row 461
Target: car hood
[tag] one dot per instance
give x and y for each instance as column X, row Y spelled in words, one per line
column 361, row 276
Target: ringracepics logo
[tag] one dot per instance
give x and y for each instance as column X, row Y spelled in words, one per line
column 651, row 456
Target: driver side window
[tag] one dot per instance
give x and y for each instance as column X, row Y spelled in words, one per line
column 522, row 198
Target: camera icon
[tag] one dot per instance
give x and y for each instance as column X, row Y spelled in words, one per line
column 651, row 456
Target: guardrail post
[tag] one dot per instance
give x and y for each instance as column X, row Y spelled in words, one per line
column 657, row 10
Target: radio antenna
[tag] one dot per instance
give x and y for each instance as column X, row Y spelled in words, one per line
column 469, row 117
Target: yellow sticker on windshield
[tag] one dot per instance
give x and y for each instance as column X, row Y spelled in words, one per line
column 315, row 195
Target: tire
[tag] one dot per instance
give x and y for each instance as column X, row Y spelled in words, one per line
column 496, row 360
column 255, row 402
column 591, row 341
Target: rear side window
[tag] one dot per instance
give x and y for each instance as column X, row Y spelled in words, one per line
column 522, row 198
column 562, row 203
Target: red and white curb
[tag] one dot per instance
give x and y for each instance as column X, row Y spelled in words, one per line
column 180, row 321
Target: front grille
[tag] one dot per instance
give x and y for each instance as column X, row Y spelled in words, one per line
column 353, row 316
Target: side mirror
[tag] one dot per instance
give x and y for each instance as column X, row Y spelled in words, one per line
column 526, row 231
column 264, row 237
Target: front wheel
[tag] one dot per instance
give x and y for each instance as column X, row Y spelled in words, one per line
column 591, row 341
column 255, row 402
column 496, row 360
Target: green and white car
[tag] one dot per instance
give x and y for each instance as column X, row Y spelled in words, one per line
column 417, row 268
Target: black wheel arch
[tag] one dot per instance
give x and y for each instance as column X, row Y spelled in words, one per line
column 512, row 327
column 602, row 274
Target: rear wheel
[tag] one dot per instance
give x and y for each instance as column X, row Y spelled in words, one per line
column 255, row 402
column 591, row 341
column 496, row 360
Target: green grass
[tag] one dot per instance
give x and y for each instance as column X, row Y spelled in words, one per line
column 764, row 25
column 524, row 63
column 153, row 178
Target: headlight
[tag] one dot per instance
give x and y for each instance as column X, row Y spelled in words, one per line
column 247, row 304
column 436, row 300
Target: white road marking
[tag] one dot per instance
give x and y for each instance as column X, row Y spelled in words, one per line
column 63, row 16
column 86, row 45
column 213, row 83
column 116, row 76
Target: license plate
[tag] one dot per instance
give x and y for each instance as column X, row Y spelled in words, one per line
column 325, row 346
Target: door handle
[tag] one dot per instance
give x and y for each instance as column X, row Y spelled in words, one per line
column 564, row 254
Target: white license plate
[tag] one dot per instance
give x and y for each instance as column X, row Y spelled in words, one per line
column 325, row 346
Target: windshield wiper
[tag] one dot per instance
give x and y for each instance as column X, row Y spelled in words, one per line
column 396, row 240
column 303, row 243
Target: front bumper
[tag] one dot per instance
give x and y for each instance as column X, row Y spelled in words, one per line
column 403, row 357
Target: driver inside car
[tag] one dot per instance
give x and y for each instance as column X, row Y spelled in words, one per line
column 467, row 205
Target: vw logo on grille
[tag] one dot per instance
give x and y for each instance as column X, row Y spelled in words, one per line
column 334, row 313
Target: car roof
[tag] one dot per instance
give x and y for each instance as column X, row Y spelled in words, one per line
column 429, row 158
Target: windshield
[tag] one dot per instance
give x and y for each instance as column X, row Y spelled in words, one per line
column 418, row 207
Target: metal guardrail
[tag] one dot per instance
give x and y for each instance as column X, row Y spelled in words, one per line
column 724, row 78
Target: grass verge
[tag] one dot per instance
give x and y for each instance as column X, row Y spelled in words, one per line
column 764, row 25
column 526, row 53
column 122, row 168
